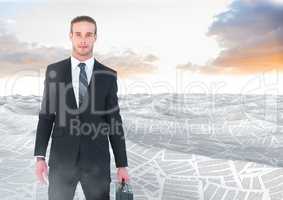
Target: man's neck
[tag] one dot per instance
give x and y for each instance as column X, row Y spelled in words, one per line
column 81, row 58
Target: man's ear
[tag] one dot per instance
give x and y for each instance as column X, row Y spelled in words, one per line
column 70, row 36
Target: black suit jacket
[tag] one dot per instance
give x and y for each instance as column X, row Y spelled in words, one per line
column 85, row 133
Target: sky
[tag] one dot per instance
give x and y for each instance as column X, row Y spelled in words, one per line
column 223, row 46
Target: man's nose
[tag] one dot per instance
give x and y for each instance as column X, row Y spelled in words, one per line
column 83, row 41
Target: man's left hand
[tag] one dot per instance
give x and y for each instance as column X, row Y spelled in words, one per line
column 122, row 173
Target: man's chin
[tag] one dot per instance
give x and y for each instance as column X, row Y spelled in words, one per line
column 82, row 53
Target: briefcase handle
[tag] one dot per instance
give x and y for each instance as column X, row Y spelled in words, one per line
column 125, row 186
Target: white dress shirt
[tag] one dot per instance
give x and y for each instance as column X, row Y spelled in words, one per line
column 76, row 76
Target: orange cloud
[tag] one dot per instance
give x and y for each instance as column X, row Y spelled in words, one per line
column 246, row 63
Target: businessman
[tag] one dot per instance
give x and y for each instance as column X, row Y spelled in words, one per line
column 80, row 112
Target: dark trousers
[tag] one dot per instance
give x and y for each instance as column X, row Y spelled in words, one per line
column 63, row 183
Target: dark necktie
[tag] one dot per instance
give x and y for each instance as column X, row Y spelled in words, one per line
column 83, row 83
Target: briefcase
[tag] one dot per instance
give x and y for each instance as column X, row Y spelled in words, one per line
column 124, row 191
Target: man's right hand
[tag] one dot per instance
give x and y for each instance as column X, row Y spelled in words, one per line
column 41, row 171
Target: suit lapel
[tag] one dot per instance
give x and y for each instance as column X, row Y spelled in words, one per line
column 92, row 82
column 70, row 95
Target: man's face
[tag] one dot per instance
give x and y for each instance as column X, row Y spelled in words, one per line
column 83, row 38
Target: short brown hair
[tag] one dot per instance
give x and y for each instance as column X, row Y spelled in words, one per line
column 83, row 18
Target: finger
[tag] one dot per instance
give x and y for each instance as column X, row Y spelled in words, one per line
column 120, row 179
column 125, row 179
column 40, row 179
column 40, row 176
column 45, row 172
column 45, row 178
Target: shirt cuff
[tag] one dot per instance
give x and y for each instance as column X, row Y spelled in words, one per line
column 39, row 158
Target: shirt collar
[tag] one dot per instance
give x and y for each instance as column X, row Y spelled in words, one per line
column 89, row 62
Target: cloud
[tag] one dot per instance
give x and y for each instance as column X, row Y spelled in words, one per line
column 189, row 66
column 17, row 57
column 128, row 63
column 251, row 35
